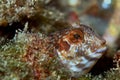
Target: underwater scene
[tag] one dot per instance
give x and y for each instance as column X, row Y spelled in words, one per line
column 59, row 39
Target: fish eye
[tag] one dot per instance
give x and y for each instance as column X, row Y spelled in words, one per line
column 76, row 36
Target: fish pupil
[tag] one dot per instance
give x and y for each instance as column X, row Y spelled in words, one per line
column 76, row 36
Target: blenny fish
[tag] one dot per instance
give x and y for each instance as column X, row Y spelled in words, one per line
column 75, row 49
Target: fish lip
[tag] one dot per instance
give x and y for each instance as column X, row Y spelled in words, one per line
column 102, row 49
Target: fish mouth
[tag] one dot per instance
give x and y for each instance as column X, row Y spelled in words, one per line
column 101, row 50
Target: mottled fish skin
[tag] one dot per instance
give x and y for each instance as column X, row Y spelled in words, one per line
column 78, row 49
